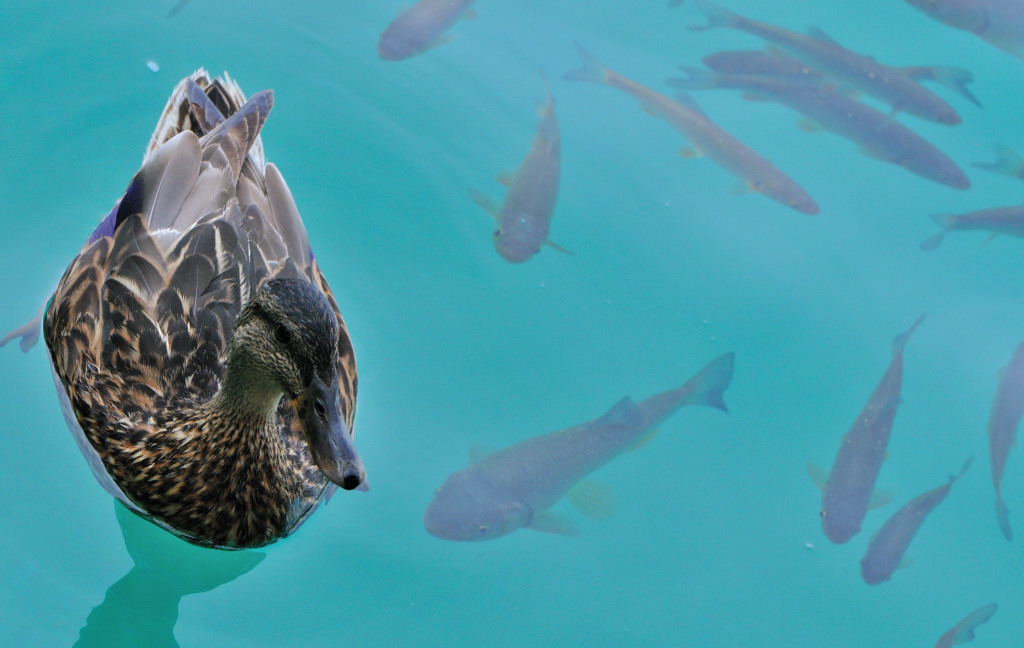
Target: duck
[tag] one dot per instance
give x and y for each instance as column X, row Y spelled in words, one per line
column 199, row 355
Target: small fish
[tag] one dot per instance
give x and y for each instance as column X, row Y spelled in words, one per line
column 1007, row 409
column 999, row 220
column 846, row 493
column 524, row 217
column 513, row 488
column 1000, row 22
column 890, row 543
column 964, row 631
column 757, row 173
column 897, row 87
column 1008, row 163
column 878, row 135
column 421, row 27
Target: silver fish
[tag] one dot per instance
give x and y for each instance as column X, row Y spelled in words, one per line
column 998, row 220
column 1007, row 409
column 898, row 87
column 1000, row 22
column 846, row 494
column 890, row 543
column 514, row 487
column 420, row 27
column 524, row 217
column 964, row 631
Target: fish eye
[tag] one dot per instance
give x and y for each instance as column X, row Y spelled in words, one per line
column 821, row 513
column 482, row 529
column 283, row 335
column 497, row 233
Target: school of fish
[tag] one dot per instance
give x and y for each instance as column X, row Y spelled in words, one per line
column 504, row 490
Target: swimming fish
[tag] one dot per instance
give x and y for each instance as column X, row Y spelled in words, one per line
column 1007, row 409
column 524, row 217
column 514, row 487
column 964, row 631
column 757, row 173
column 898, row 87
column 879, row 135
column 998, row 220
column 890, row 543
column 421, row 27
column 846, row 492
column 1000, row 22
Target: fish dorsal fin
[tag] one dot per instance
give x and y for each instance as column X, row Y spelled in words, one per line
column 817, row 475
column 819, row 33
column 593, row 499
column 479, row 451
column 625, row 413
column 685, row 99
column 550, row 522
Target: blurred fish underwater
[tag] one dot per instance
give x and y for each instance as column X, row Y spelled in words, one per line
column 731, row 224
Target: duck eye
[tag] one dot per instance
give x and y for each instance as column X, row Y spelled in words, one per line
column 283, row 335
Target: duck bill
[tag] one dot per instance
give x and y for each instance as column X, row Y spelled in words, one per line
column 328, row 436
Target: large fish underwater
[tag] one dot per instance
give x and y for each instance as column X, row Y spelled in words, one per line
column 513, row 488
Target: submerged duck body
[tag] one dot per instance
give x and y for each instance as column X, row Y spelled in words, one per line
column 200, row 357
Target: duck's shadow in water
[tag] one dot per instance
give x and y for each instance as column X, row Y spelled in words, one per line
column 142, row 608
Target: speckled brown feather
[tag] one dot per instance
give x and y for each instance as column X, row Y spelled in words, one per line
column 139, row 328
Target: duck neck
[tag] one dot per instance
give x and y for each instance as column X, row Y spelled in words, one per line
column 247, row 398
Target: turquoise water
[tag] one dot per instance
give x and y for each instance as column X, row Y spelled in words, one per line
column 717, row 541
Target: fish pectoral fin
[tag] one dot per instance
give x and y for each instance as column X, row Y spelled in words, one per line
column 991, row 237
column 873, row 153
column 690, row 152
column 439, row 41
column 486, row 203
column 556, row 246
column 550, row 522
column 649, row 109
column 595, row 500
column 505, row 178
column 469, row 14
column 817, row 475
column 905, row 561
column 755, row 96
column 879, row 498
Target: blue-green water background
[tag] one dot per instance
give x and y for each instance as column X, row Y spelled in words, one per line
column 717, row 540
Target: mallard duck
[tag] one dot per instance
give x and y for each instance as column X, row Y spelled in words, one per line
column 199, row 355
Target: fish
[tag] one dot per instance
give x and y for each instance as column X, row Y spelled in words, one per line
column 421, row 27
column 998, row 220
column 1008, row 163
column 886, row 549
column 963, row 631
column 513, row 488
column 897, row 87
column 524, row 217
column 178, row 6
column 1007, row 409
column 846, row 491
column 755, row 172
column 879, row 136
column 1000, row 22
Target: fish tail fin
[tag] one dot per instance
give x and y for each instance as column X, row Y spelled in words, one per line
column 900, row 341
column 963, row 469
column 592, row 70
column 954, row 78
column 695, row 79
column 947, row 222
column 27, row 333
column 1007, row 162
column 710, row 382
column 717, row 16
column 1003, row 517
column 932, row 242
